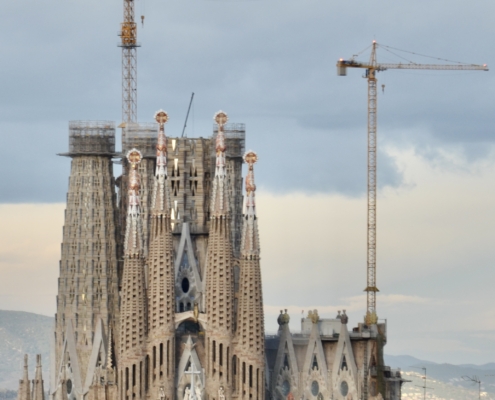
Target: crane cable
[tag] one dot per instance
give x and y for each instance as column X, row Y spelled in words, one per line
column 424, row 55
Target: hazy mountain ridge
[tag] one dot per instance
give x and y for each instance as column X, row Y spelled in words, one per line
column 446, row 380
column 23, row 333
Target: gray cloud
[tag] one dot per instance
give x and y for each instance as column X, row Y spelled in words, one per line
column 268, row 63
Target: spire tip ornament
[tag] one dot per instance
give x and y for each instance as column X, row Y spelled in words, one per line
column 221, row 118
column 161, row 117
column 250, row 158
column 134, row 156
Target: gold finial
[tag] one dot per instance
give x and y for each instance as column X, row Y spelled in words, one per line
column 250, row 158
column 313, row 316
column 221, row 118
column 134, row 156
column 161, row 117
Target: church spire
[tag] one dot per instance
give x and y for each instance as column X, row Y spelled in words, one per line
column 250, row 330
column 134, row 230
column 161, row 198
column 133, row 316
column 24, row 392
column 250, row 239
column 219, row 199
column 161, row 277
column 38, row 390
column 219, row 277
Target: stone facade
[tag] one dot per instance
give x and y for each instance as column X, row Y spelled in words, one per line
column 160, row 289
column 31, row 390
column 88, row 298
column 327, row 361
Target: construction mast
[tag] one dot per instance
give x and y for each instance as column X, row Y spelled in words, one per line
column 372, row 67
column 129, row 44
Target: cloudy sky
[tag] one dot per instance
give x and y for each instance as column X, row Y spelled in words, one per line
column 271, row 65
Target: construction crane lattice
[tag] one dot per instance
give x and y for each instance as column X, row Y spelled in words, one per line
column 129, row 44
column 371, row 68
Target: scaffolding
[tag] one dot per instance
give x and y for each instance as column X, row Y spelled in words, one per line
column 91, row 138
column 235, row 139
column 142, row 136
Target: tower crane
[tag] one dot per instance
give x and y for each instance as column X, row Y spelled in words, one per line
column 371, row 68
column 129, row 44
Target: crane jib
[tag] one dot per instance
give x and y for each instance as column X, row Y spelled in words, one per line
column 342, row 65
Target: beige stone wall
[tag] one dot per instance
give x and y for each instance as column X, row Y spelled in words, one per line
column 88, row 267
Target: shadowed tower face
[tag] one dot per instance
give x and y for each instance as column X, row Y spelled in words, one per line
column 160, row 358
column 219, row 278
column 87, row 300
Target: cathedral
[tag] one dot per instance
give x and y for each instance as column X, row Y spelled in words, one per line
column 160, row 289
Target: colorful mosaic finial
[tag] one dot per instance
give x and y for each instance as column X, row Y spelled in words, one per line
column 133, row 235
column 219, row 196
column 250, row 158
column 221, row 119
column 250, row 240
column 160, row 202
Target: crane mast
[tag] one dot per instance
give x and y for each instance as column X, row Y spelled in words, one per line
column 371, row 288
column 372, row 67
column 128, row 34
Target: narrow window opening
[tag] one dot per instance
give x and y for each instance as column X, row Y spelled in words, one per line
column 220, row 355
column 168, row 356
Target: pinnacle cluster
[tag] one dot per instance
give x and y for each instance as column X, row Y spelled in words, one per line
column 160, row 286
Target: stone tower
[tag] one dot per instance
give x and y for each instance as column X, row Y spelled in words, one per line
column 219, row 278
column 38, row 386
column 249, row 361
column 133, row 324
column 87, row 301
column 160, row 358
column 24, row 392
column 36, row 391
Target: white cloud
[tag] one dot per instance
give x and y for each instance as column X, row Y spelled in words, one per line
column 435, row 254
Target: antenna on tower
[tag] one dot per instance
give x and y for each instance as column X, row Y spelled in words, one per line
column 129, row 44
column 423, row 386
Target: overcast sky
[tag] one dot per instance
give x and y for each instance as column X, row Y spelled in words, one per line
column 271, row 65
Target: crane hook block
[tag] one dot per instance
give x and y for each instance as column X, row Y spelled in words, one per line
column 142, row 20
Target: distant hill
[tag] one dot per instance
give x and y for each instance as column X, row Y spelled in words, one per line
column 438, row 375
column 23, row 333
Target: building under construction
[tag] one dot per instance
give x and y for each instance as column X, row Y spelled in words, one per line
column 159, row 294
column 160, row 288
